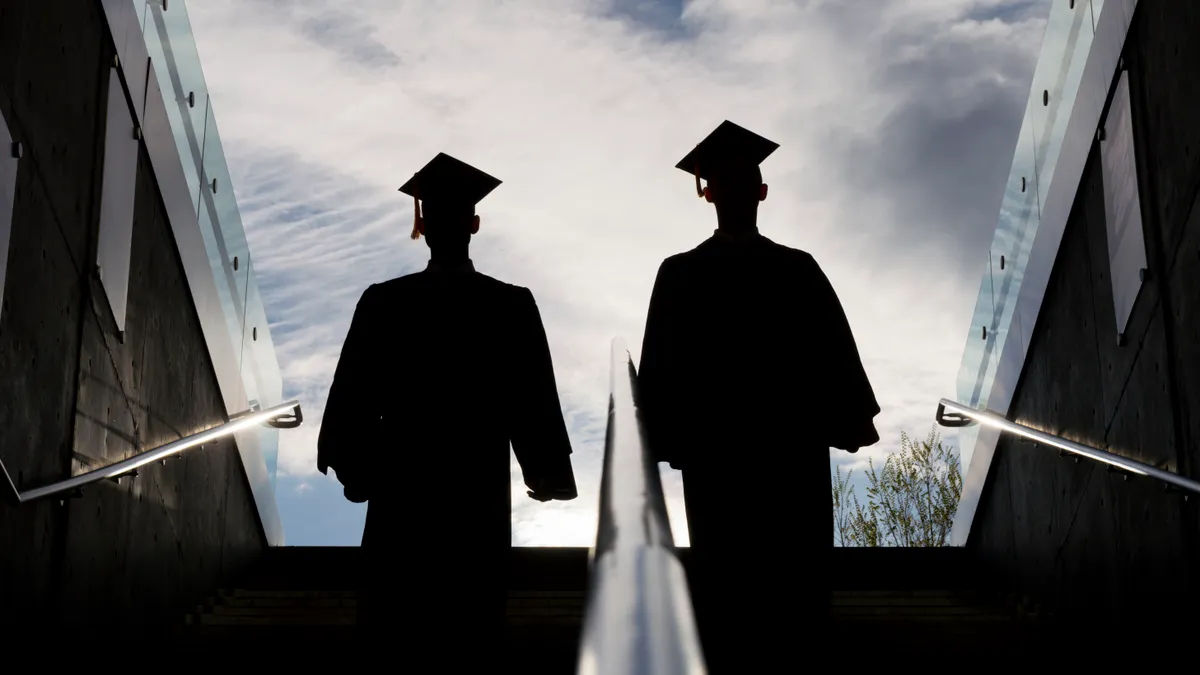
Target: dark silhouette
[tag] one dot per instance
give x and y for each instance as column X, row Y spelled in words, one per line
column 749, row 374
column 440, row 371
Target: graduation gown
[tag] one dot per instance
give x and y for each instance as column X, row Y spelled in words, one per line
column 749, row 373
column 440, row 372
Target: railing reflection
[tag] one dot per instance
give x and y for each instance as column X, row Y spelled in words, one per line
column 639, row 616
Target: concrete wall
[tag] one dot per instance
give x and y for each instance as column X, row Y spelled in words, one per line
column 77, row 395
column 1086, row 541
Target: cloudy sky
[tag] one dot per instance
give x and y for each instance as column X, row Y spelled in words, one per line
column 896, row 118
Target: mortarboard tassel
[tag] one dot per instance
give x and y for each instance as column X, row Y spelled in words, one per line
column 416, row 232
column 696, row 173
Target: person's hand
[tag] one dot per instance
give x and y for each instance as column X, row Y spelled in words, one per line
column 548, row 490
column 562, row 495
column 353, row 484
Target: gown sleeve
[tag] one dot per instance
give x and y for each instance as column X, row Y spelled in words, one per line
column 538, row 433
column 658, row 368
column 350, row 418
column 851, row 404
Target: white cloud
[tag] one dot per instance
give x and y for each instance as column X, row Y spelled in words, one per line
column 897, row 121
column 303, row 488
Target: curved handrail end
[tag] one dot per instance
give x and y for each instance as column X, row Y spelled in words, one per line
column 288, row 421
column 953, row 419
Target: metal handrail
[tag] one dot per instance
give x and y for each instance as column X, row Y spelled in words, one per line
column 960, row 416
column 283, row 416
column 639, row 616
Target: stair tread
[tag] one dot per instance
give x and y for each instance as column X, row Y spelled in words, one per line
column 219, row 620
column 244, row 601
column 290, row 593
column 224, row 610
column 902, row 592
column 552, row 606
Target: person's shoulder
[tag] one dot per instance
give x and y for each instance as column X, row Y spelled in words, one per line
column 686, row 259
column 394, row 287
column 704, row 248
column 792, row 255
column 497, row 285
column 503, row 290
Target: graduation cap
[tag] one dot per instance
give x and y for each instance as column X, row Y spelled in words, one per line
column 446, row 179
column 728, row 144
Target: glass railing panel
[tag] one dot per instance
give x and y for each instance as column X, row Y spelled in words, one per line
column 1002, row 273
column 232, row 253
column 260, row 369
column 1009, row 256
column 1068, row 39
column 975, row 354
column 231, row 304
column 176, row 62
column 139, row 10
column 1056, row 81
column 994, row 304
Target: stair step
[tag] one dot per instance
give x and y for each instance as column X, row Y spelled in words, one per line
column 897, row 602
column 912, row 619
column 520, row 603
column 252, row 621
column 552, row 625
column 226, row 610
column 903, row 593
column 540, row 622
column 272, row 593
column 906, row 610
column 237, row 631
column 241, row 601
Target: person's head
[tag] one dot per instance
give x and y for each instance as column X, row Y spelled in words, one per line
column 736, row 185
column 448, row 223
column 729, row 159
column 444, row 194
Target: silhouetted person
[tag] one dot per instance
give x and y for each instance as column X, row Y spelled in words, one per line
column 439, row 372
column 749, row 374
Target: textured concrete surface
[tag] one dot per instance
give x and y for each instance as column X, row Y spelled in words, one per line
column 81, row 395
column 1165, row 56
column 1106, row 548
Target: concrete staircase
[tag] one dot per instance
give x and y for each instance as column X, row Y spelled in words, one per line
column 900, row 602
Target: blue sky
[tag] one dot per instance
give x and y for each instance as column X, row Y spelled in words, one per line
column 896, row 119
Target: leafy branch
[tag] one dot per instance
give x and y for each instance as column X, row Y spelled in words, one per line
column 910, row 500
